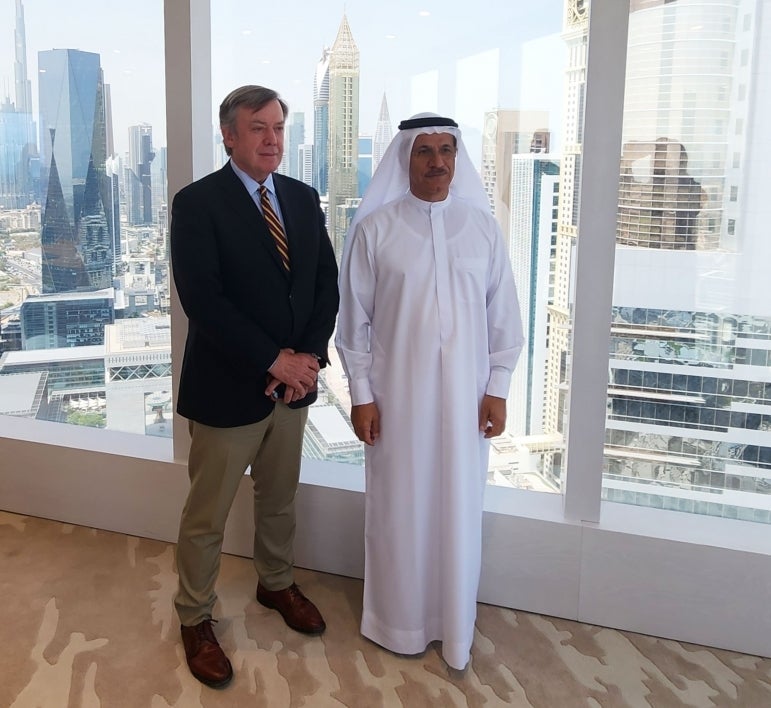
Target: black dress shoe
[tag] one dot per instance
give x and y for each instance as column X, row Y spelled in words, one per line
column 205, row 658
column 297, row 610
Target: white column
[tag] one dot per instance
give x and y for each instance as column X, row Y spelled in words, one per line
column 187, row 29
column 594, row 257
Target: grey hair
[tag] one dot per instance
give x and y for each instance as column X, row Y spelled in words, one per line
column 251, row 97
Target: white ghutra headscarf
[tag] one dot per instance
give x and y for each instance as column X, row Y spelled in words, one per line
column 392, row 176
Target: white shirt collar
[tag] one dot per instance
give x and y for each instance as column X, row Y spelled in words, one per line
column 252, row 185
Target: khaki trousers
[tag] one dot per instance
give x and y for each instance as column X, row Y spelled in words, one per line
column 218, row 460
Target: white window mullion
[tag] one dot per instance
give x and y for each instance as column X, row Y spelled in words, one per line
column 594, row 257
column 187, row 28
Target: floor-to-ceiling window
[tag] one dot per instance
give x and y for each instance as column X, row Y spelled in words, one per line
column 84, row 278
column 689, row 397
column 511, row 78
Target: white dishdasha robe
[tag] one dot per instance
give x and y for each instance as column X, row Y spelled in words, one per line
column 429, row 322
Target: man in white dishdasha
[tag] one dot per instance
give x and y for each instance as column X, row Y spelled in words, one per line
column 429, row 333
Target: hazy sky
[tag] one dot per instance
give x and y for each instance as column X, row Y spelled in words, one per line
column 404, row 45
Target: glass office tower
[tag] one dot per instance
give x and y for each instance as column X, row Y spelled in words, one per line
column 321, row 123
column 139, row 183
column 77, row 239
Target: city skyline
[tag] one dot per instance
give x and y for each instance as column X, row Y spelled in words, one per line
column 687, row 205
column 397, row 43
column 451, row 76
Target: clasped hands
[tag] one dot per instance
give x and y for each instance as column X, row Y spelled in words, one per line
column 298, row 371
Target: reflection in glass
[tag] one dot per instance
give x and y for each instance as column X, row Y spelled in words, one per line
column 689, row 398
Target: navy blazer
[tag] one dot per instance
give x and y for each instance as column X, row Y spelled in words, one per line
column 242, row 305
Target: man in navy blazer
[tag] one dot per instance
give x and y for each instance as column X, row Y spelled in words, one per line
column 261, row 306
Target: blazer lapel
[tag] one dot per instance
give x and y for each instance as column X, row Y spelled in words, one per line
column 243, row 207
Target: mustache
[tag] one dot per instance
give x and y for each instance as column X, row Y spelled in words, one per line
column 436, row 172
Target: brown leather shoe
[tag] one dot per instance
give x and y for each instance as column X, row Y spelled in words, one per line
column 205, row 658
column 296, row 609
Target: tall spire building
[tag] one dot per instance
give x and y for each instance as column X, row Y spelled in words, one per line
column 77, row 222
column 321, row 123
column 18, row 146
column 383, row 134
column 343, row 130
column 22, row 82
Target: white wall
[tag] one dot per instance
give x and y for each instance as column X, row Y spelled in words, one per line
column 690, row 578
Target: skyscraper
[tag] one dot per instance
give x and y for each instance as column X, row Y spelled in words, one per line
column 139, row 190
column 383, row 134
column 575, row 33
column 77, row 238
column 21, row 80
column 15, row 191
column 160, row 187
column 18, row 146
column 321, row 123
column 305, row 152
column 531, row 243
column 508, row 133
column 113, row 168
column 343, row 128
column 113, row 174
column 295, row 137
column 364, row 162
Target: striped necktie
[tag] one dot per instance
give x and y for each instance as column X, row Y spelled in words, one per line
column 276, row 230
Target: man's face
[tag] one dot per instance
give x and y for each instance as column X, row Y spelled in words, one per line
column 256, row 139
column 432, row 166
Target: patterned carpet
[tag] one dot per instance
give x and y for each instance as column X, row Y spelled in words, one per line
column 86, row 621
